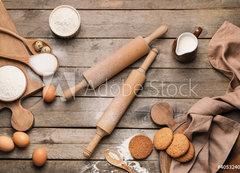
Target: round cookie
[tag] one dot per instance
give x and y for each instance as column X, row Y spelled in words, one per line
column 140, row 146
column 179, row 145
column 188, row 156
column 163, row 138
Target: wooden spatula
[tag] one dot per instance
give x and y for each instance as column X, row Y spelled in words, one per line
column 116, row 160
column 162, row 114
column 27, row 42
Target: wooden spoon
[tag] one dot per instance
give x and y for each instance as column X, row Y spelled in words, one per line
column 26, row 60
column 118, row 162
column 27, row 42
column 162, row 114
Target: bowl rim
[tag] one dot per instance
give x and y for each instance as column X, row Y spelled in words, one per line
column 65, row 35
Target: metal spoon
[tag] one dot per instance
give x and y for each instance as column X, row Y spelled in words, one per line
column 40, row 61
column 118, row 161
column 27, row 42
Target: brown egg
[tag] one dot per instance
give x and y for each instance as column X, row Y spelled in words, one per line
column 21, row 139
column 39, row 156
column 49, row 93
column 6, row 144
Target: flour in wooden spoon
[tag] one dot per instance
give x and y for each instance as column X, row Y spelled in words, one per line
column 114, row 156
column 44, row 63
column 12, row 83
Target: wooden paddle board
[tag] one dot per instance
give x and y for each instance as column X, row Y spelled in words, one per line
column 22, row 119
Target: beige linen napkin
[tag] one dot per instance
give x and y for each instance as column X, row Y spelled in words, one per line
column 213, row 135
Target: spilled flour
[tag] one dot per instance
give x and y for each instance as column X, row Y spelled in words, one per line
column 124, row 153
column 123, row 150
column 90, row 168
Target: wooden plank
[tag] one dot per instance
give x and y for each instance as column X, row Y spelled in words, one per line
column 160, row 83
column 26, row 166
column 85, row 112
column 128, row 23
column 70, row 143
column 65, row 151
column 123, row 4
column 87, row 52
column 78, row 136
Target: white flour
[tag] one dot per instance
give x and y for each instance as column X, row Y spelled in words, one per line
column 12, row 82
column 125, row 154
column 137, row 167
column 90, row 167
column 44, row 63
column 123, row 150
column 113, row 155
column 64, row 21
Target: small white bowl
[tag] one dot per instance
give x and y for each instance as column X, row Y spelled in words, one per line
column 65, row 21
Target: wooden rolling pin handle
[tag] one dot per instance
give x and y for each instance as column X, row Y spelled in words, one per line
column 69, row 93
column 156, row 34
column 150, row 58
column 92, row 145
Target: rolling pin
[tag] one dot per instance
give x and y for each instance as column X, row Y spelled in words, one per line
column 120, row 103
column 115, row 62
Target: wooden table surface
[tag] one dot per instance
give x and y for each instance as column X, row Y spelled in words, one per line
column 65, row 129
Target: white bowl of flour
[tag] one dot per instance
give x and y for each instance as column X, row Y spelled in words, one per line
column 13, row 83
column 65, row 21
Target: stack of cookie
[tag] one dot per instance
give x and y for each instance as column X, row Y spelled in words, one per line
column 176, row 145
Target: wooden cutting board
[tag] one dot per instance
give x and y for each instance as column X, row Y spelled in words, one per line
column 22, row 119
